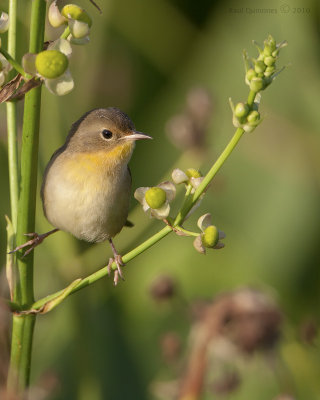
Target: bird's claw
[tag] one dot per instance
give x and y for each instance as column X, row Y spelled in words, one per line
column 118, row 272
column 34, row 242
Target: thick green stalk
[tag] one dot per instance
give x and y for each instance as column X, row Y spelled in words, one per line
column 13, row 161
column 22, row 331
column 11, row 124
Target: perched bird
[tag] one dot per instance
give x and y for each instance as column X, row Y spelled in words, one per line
column 87, row 183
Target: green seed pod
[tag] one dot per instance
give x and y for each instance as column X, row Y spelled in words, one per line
column 269, row 61
column 253, row 118
column 77, row 13
column 269, row 71
column 259, row 67
column 51, row 63
column 251, row 73
column 256, row 84
column 210, row 236
column 269, row 46
column 155, row 197
column 193, row 173
column 241, row 110
column 267, row 51
column 271, row 42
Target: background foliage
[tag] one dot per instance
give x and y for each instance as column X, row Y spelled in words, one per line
column 144, row 57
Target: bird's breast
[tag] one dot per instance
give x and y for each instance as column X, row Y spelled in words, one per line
column 87, row 194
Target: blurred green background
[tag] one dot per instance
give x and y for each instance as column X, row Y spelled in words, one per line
column 144, row 57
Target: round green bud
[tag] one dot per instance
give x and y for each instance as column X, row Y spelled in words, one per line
column 269, row 46
column 253, row 117
column 193, row 173
column 241, row 110
column 155, row 197
column 210, row 236
column 259, row 67
column 269, row 61
column 251, row 73
column 51, row 63
column 271, row 42
column 269, row 71
column 261, row 56
column 256, row 84
column 267, row 51
column 77, row 13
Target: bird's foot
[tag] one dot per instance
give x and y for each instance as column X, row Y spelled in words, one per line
column 117, row 272
column 34, row 242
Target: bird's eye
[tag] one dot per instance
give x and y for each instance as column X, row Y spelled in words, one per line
column 107, row 134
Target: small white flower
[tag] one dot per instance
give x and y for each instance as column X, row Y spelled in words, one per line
column 81, row 41
column 178, row 176
column 56, row 19
column 4, row 22
column 78, row 20
column 195, row 182
column 210, row 236
column 78, row 29
column 156, row 199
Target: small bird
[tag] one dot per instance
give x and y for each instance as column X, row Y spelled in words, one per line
column 87, row 182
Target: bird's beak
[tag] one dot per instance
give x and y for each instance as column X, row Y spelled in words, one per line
column 135, row 135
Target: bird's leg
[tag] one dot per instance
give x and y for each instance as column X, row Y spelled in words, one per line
column 118, row 260
column 34, row 242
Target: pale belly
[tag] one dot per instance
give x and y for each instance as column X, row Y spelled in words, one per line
column 91, row 206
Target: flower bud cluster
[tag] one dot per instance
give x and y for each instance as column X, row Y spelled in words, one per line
column 51, row 65
column 77, row 19
column 261, row 72
column 244, row 117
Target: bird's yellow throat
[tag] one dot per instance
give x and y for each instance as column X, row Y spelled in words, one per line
column 102, row 159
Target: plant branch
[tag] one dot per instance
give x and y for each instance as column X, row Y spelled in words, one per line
column 11, row 124
column 22, row 330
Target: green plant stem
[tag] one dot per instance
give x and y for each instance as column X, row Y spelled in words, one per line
column 22, row 329
column 190, row 202
column 12, row 61
column 251, row 97
column 12, row 125
column 13, row 161
column 186, row 232
column 101, row 273
column 65, row 33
